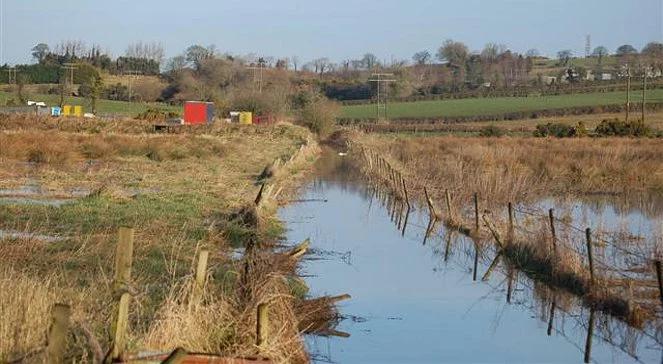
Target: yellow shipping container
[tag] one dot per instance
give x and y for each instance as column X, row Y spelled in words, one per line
column 246, row 118
column 66, row 110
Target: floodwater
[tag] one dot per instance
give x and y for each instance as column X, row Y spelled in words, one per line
column 419, row 303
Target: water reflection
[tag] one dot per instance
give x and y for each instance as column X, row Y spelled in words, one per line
column 450, row 299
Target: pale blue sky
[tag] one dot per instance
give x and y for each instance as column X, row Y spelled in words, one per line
column 339, row 29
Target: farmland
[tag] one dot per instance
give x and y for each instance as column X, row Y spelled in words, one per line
column 105, row 107
column 495, row 106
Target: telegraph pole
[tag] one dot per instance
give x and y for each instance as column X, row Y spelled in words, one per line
column 644, row 93
column 628, row 91
column 11, row 75
column 259, row 68
column 132, row 74
column 378, row 79
column 70, row 67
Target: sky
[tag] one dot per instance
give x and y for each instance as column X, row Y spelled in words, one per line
column 339, row 29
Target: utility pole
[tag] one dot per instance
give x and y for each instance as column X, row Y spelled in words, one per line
column 70, row 67
column 132, row 74
column 378, row 79
column 259, row 68
column 628, row 91
column 11, row 75
column 644, row 93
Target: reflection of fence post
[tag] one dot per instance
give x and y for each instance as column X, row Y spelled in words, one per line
column 57, row 334
column 551, row 216
column 590, row 333
column 588, row 235
column 262, row 325
column 476, row 212
column 660, row 279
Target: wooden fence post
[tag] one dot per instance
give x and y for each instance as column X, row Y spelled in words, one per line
column 509, row 237
column 447, row 197
column 57, row 334
column 476, row 212
column 123, row 258
column 407, row 198
column 659, row 277
column 121, row 325
column 430, row 205
column 551, row 217
column 588, row 235
column 262, row 325
column 201, row 275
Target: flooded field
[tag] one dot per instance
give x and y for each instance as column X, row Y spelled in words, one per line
column 443, row 298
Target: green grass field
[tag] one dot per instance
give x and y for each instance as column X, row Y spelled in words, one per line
column 494, row 106
column 104, row 107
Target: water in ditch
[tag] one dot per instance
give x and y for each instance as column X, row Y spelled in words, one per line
column 418, row 301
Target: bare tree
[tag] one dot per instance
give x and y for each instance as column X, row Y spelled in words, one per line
column 422, row 58
column 564, row 57
column 295, row 62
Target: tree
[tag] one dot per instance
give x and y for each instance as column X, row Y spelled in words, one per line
column 454, row 53
column 176, row 64
column 369, row 61
column 600, row 52
column 564, row 56
column 40, row 51
column 533, row 53
column 654, row 49
column 295, row 62
column 92, row 89
column 625, row 50
column 422, row 58
column 491, row 51
column 195, row 54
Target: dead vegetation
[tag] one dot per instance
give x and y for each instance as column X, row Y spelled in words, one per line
column 447, row 171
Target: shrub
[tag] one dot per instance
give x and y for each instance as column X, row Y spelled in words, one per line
column 491, row 131
column 319, row 116
column 558, row 130
column 616, row 127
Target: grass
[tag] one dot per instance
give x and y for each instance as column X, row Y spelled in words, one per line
column 494, row 106
column 104, row 107
column 178, row 192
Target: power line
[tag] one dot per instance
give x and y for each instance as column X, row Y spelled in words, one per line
column 377, row 78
